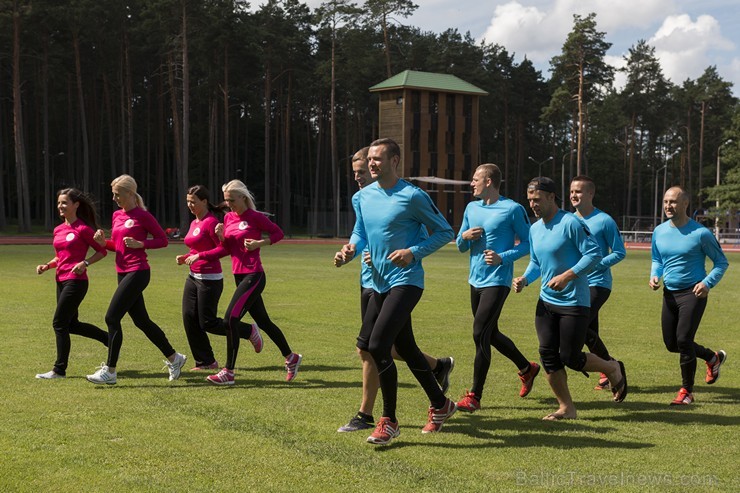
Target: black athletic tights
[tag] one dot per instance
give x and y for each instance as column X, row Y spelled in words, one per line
column 69, row 296
column 390, row 316
column 682, row 312
column 129, row 298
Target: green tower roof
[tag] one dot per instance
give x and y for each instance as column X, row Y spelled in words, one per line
column 429, row 81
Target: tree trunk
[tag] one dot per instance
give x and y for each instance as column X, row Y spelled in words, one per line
column 129, row 116
column 701, row 152
column 580, row 120
column 227, row 144
column 24, row 207
column 183, row 177
column 83, row 114
column 631, row 172
column 176, row 127
column 333, row 130
column 45, row 110
column 386, row 43
column 268, row 105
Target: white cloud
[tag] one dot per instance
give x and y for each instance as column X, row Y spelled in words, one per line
column 684, row 46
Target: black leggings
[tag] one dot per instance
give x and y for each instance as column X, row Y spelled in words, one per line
column 561, row 331
column 129, row 298
column 366, row 298
column 595, row 344
column 680, row 318
column 487, row 304
column 248, row 299
column 389, row 316
column 69, row 296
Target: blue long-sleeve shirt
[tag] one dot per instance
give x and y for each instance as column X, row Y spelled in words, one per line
column 554, row 247
column 607, row 235
column 394, row 219
column 502, row 222
column 679, row 255
column 366, row 272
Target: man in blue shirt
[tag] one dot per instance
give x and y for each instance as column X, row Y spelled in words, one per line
column 370, row 383
column 680, row 246
column 606, row 233
column 392, row 216
column 489, row 229
column 563, row 253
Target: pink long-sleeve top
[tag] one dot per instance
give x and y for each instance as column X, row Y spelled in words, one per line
column 137, row 224
column 202, row 239
column 238, row 227
column 71, row 242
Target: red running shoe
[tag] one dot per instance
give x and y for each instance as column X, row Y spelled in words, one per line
column 437, row 417
column 528, row 379
column 713, row 368
column 385, row 431
column 684, row 398
column 469, row 403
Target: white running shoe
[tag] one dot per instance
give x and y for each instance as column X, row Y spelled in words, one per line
column 175, row 367
column 102, row 376
column 49, row 375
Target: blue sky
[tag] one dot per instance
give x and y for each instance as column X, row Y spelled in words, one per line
column 688, row 35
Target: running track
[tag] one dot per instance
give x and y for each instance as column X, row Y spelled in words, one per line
column 46, row 240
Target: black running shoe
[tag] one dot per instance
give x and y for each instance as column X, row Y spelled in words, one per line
column 443, row 376
column 357, row 423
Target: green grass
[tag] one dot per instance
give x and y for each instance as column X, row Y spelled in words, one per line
column 146, row 434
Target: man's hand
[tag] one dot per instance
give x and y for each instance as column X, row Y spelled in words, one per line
column 559, row 282
column 491, row 257
column 472, row 234
column 654, row 283
column 518, row 284
column 701, row 290
column 401, row 258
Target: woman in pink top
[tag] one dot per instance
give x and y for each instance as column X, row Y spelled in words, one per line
column 130, row 231
column 205, row 283
column 241, row 236
column 72, row 240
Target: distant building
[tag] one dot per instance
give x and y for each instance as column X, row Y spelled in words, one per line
column 434, row 118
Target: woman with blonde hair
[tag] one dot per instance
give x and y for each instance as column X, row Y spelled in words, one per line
column 131, row 227
column 205, row 282
column 241, row 236
column 72, row 240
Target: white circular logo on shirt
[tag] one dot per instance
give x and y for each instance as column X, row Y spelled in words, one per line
column 243, row 225
column 196, row 231
column 70, row 236
column 129, row 223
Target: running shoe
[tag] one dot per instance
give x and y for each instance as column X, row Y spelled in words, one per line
column 713, row 368
column 603, row 382
column 357, row 423
column 469, row 403
column 443, row 376
column 684, row 398
column 292, row 363
column 102, row 376
column 256, row 338
column 385, row 431
column 437, row 417
column 224, row 377
column 201, row 366
column 528, row 379
column 49, row 375
column 175, row 366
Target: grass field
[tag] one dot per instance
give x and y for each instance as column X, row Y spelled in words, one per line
column 147, row 434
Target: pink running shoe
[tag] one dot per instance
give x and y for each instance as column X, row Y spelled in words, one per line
column 292, row 363
column 224, row 377
column 256, row 338
column 437, row 417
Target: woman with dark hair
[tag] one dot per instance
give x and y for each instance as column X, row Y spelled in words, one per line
column 205, row 282
column 131, row 227
column 241, row 236
column 72, row 240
